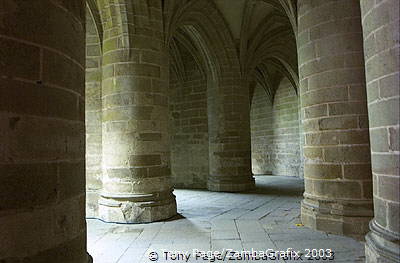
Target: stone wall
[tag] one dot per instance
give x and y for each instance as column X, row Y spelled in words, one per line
column 188, row 125
column 275, row 132
column 261, row 132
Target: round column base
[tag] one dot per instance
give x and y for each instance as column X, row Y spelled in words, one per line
column 349, row 218
column 90, row 258
column 381, row 246
column 137, row 208
column 230, row 184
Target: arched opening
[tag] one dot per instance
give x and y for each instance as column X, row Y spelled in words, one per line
column 269, row 62
column 227, row 101
column 188, row 115
column 217, row 58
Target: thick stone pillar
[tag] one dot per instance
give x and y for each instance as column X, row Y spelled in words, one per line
column 380, row 22
column 338, row 181
column 93, row 115
column 42, row 131
column 136, row 168
column 229, row 137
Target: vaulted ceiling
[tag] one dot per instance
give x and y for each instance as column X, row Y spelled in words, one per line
column 263, row 33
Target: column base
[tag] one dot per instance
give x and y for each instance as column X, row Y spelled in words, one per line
column 137, row 208
column 342, row 217
column 230, row 183
column 381, row 246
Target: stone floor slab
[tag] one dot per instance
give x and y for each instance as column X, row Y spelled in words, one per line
column 262, row 219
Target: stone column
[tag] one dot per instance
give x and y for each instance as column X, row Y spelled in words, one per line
column 136, row 169
column 229, row 137
column 338, row 181
column 93, row 116
column 380, row 20
column 42, row 131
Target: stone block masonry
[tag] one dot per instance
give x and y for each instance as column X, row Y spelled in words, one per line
column 275, row 132
column 93, row 116
column 189, row 125
column 338, row 182
column 147, row 132
column 136, row 178
column 380, row 21
column 42, row 131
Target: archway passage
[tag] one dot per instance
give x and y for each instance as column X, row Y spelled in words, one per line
column 174, row 92
column 227, row 100
column 188, row 118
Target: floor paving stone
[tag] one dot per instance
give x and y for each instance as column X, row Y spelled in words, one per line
column 262, row 219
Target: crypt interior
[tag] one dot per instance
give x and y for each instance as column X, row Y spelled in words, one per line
column 131, row 127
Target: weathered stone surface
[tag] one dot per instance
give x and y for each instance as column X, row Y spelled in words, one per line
column 136, row 184
column 275, row 133
column 333, row 98
column 93, row 115
column 147, row 133
column 42, row 181
column 188, row 124
column 270, row 220
column 380, row 22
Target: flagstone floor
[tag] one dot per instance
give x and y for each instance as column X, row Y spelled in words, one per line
column 225, row 227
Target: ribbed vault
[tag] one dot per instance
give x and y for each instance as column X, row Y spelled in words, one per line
column 268, row 43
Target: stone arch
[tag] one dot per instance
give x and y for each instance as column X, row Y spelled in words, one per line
column 92, row 10
column 274, row 45
column 228, row 102
column 182, row 38
column 267, row 77
column 285, row 69
column 268, row 44
column 268, row 58
column 188, row 125
column 204, row 23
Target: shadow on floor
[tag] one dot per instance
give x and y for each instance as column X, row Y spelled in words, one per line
column 175, row 217
column 268, row 185
column 277, row 185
